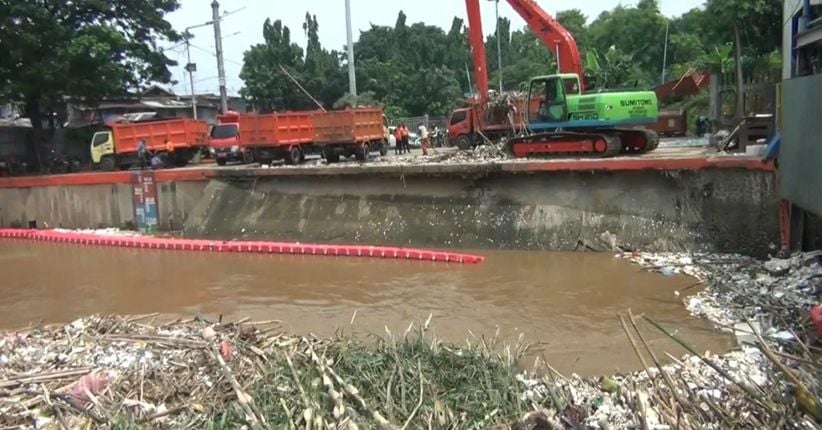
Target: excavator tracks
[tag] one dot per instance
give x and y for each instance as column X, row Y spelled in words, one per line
column 596, row 144
column 599, row 143
column 635, row 141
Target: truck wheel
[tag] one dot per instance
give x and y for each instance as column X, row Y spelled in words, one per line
column 221, row 161
column 362, row 153
column 293, row 156
column 181, row 160
column 332, row 157
column 107, row 163
column 463, row 143
column 384, row 149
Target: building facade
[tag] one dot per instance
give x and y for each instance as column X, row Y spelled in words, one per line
column 798, row 119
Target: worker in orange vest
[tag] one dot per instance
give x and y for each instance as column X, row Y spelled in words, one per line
column 405, row 146
column 169, row 153
column 398, row 138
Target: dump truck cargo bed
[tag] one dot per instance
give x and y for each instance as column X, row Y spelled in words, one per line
column 183, row 133
column 348, row 126
column 282, row 129
column 269, row 130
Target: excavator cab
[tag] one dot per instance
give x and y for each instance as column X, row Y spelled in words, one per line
column 546, row 100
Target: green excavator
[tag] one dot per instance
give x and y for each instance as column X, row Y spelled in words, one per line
column 561, row 117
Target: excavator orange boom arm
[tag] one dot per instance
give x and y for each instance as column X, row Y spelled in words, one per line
column 552, row 34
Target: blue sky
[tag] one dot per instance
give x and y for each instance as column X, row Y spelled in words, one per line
column 244, row 28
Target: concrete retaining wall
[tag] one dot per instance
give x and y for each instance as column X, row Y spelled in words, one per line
column 94, row 206
column 712, row 210
column 726, row 210
column 89, row 206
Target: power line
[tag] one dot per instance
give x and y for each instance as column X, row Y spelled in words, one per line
column 214, row 55
column 172, row 47
column 210, row 78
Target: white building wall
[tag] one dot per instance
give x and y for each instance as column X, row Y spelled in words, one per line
column 789, row 9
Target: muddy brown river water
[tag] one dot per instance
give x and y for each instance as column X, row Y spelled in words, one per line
column 567, row 302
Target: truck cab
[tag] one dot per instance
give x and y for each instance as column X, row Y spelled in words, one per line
column 224, row 140
column 460, row 128
column 102, row 149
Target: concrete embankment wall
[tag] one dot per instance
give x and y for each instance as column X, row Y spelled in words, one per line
column 94, row 206
column 725, row 210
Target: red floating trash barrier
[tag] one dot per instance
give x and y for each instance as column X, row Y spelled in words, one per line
column 180, row 244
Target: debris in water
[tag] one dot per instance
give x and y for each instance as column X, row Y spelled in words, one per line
column 116, row 372
column 100, row 231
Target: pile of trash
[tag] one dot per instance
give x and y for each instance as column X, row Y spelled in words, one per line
column 776, row 295
column 770, row 381
column 695, row 391
column 127, row 372
column 108, row 370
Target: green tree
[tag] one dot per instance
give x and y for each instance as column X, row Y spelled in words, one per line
column 413, row 69
column 638, row 32
column 530, row 58
column 322, row 76
column 362, row 99
column 609, row 69
column 505, row 48
column 576, row 23
column 754, row 28
column 84, row 48
column 265, row 85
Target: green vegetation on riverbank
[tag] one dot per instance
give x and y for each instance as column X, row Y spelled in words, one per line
column 224, row 376
column 123, row 373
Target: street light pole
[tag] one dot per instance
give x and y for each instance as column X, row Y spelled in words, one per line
column 499, row 49
column 218, row 44
column 190, row 68
column 352, row 76
column 665, row 54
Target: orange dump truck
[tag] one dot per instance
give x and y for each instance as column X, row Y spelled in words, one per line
column 471, row 124
column 176, row 139
column 262, row 138
column 348, row 132
column 293, row 135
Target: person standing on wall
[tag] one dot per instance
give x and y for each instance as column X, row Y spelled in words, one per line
column 424, row 141
column 397, row 140
column 405, row 146
column 142, row 153
column 169, row 153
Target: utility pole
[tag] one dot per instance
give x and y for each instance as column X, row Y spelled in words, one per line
column 665, row 53
column 352, row 76
column 190, row 68
column 499, row 48
column 218, row 44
